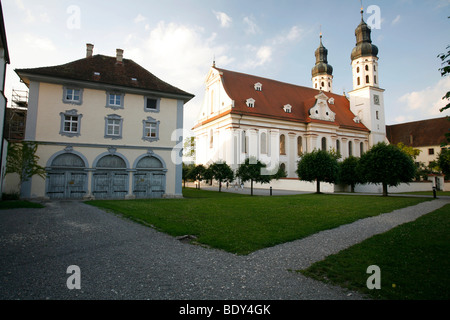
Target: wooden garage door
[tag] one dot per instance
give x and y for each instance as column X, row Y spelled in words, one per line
column 66, row 179
column 110, row 180
column 149, row 179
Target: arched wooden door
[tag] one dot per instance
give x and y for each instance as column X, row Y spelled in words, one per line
column 149, row 178
column 110, row 179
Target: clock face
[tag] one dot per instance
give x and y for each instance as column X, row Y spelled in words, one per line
column 376, row 99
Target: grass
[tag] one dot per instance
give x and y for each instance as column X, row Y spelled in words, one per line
column 242, row 224
column 414, row 260
column 16, row 204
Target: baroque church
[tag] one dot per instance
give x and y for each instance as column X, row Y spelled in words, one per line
column 249, row 116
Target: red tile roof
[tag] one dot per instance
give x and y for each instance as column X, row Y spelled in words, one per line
column 106, row 70
column 275, row 94
column 422, row 133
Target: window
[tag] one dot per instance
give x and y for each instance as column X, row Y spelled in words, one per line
column 357, row 69
column 324, row 144
column 358, row 81
column 338, row 146
column 70, row 123
column 282, row 144
column 211, row 139
column 367, row 67
column 263, row 143
column 258, row 86
column 114, row 100
column 377, row 115
column 72, row 95
column 151, row 129
column 350, row 149
column 250, row 103
column 375, row 79
column 361, row 148
column 244, row 142
column 113, row 126
column 431, row 151
column 152, row 104
column 287, row 108
column 299, row 146
column 367, row 79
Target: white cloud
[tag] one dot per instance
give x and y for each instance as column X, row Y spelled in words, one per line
column 225, row 20
column 428, row 102
column 396, row 20
column 260, row 56
column 180, row 55
column 294, row 34
column 252, row 27
column 139, row 18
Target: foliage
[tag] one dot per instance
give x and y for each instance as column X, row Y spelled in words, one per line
column 187, row 168
column 189, row 147
column 197, row 173
column 444, row 162
column 253, row 170
column 221, row 172
column 412, row 152
column 22, row 159
column 386, row 164
column 348, row 174
column 320, row 166
column 445, row 71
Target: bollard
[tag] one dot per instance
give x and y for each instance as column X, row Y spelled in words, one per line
column 270, row 191
column 434, row 192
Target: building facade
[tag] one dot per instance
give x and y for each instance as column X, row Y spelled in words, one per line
column 106, row 128
column 249, row 116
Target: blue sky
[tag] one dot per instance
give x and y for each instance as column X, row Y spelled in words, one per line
column 177, row 40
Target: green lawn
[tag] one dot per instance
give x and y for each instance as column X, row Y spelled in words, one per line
column 16, row 204
column 242, row 224
column 414, row 260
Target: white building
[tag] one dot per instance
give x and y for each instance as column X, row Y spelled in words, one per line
column 105, row 130
column 249, row 116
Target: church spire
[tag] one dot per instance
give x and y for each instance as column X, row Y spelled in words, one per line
column 322, row 72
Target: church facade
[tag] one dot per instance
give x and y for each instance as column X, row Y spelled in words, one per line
column 275, row 122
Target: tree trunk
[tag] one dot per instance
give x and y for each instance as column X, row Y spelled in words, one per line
column 318, row 186
column 353, row 188
column 385, row 189
column 220, row 186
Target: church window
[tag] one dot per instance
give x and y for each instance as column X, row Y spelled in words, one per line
column 323, row 84
column 350, row 149
column 357, row 69
column 361, row 148
column 263, row 143
column 299, row 146
column 377, row 115
column 212, row 101
column 250, row 103
column 287, row 108
column 367, row 67
column 358, row 81
column 338, row 146
column 324, row 144
column 282, row 144
column 258, row 86
column 316, row 85
column 374, row 68
column 244, row 140
column 367, row 79
column 211, row 139
column 375, row 79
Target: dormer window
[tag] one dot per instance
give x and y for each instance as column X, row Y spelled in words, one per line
column 287, row 108
column 258, row 86
column 331, row 101
column 250, row 103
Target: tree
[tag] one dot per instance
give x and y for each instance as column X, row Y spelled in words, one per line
column 444, row 162
column 252, row 170
column 197, row 173
column 348, row 174
column 221, row 172
column 412, row 152
column 189, row 147
column 386, row 164
column 22, row 159
column 445, row 71
column 319, row 166
column 187, row 168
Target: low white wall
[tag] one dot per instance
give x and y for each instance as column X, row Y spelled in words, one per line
column 403, row 187
column 293, row 184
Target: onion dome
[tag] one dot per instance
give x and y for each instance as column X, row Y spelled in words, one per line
column 322, row 66
column 364, row 46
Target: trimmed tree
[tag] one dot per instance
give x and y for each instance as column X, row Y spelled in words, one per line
column 387, row 165
column 348, row 174
column 197, row 173
column 221, row 172
column 319, row 166
column 252, row 170
column 444, row 162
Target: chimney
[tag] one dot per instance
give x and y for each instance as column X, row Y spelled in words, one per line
column 119, row 56
column 89, row 50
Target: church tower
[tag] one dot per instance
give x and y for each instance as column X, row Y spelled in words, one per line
column 322, row 72
column 366, row 98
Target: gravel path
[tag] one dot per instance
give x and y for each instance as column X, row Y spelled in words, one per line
column 120, row 259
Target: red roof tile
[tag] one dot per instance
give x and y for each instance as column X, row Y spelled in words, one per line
column 422, row 133
column 106, row 70
column 275, row 94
